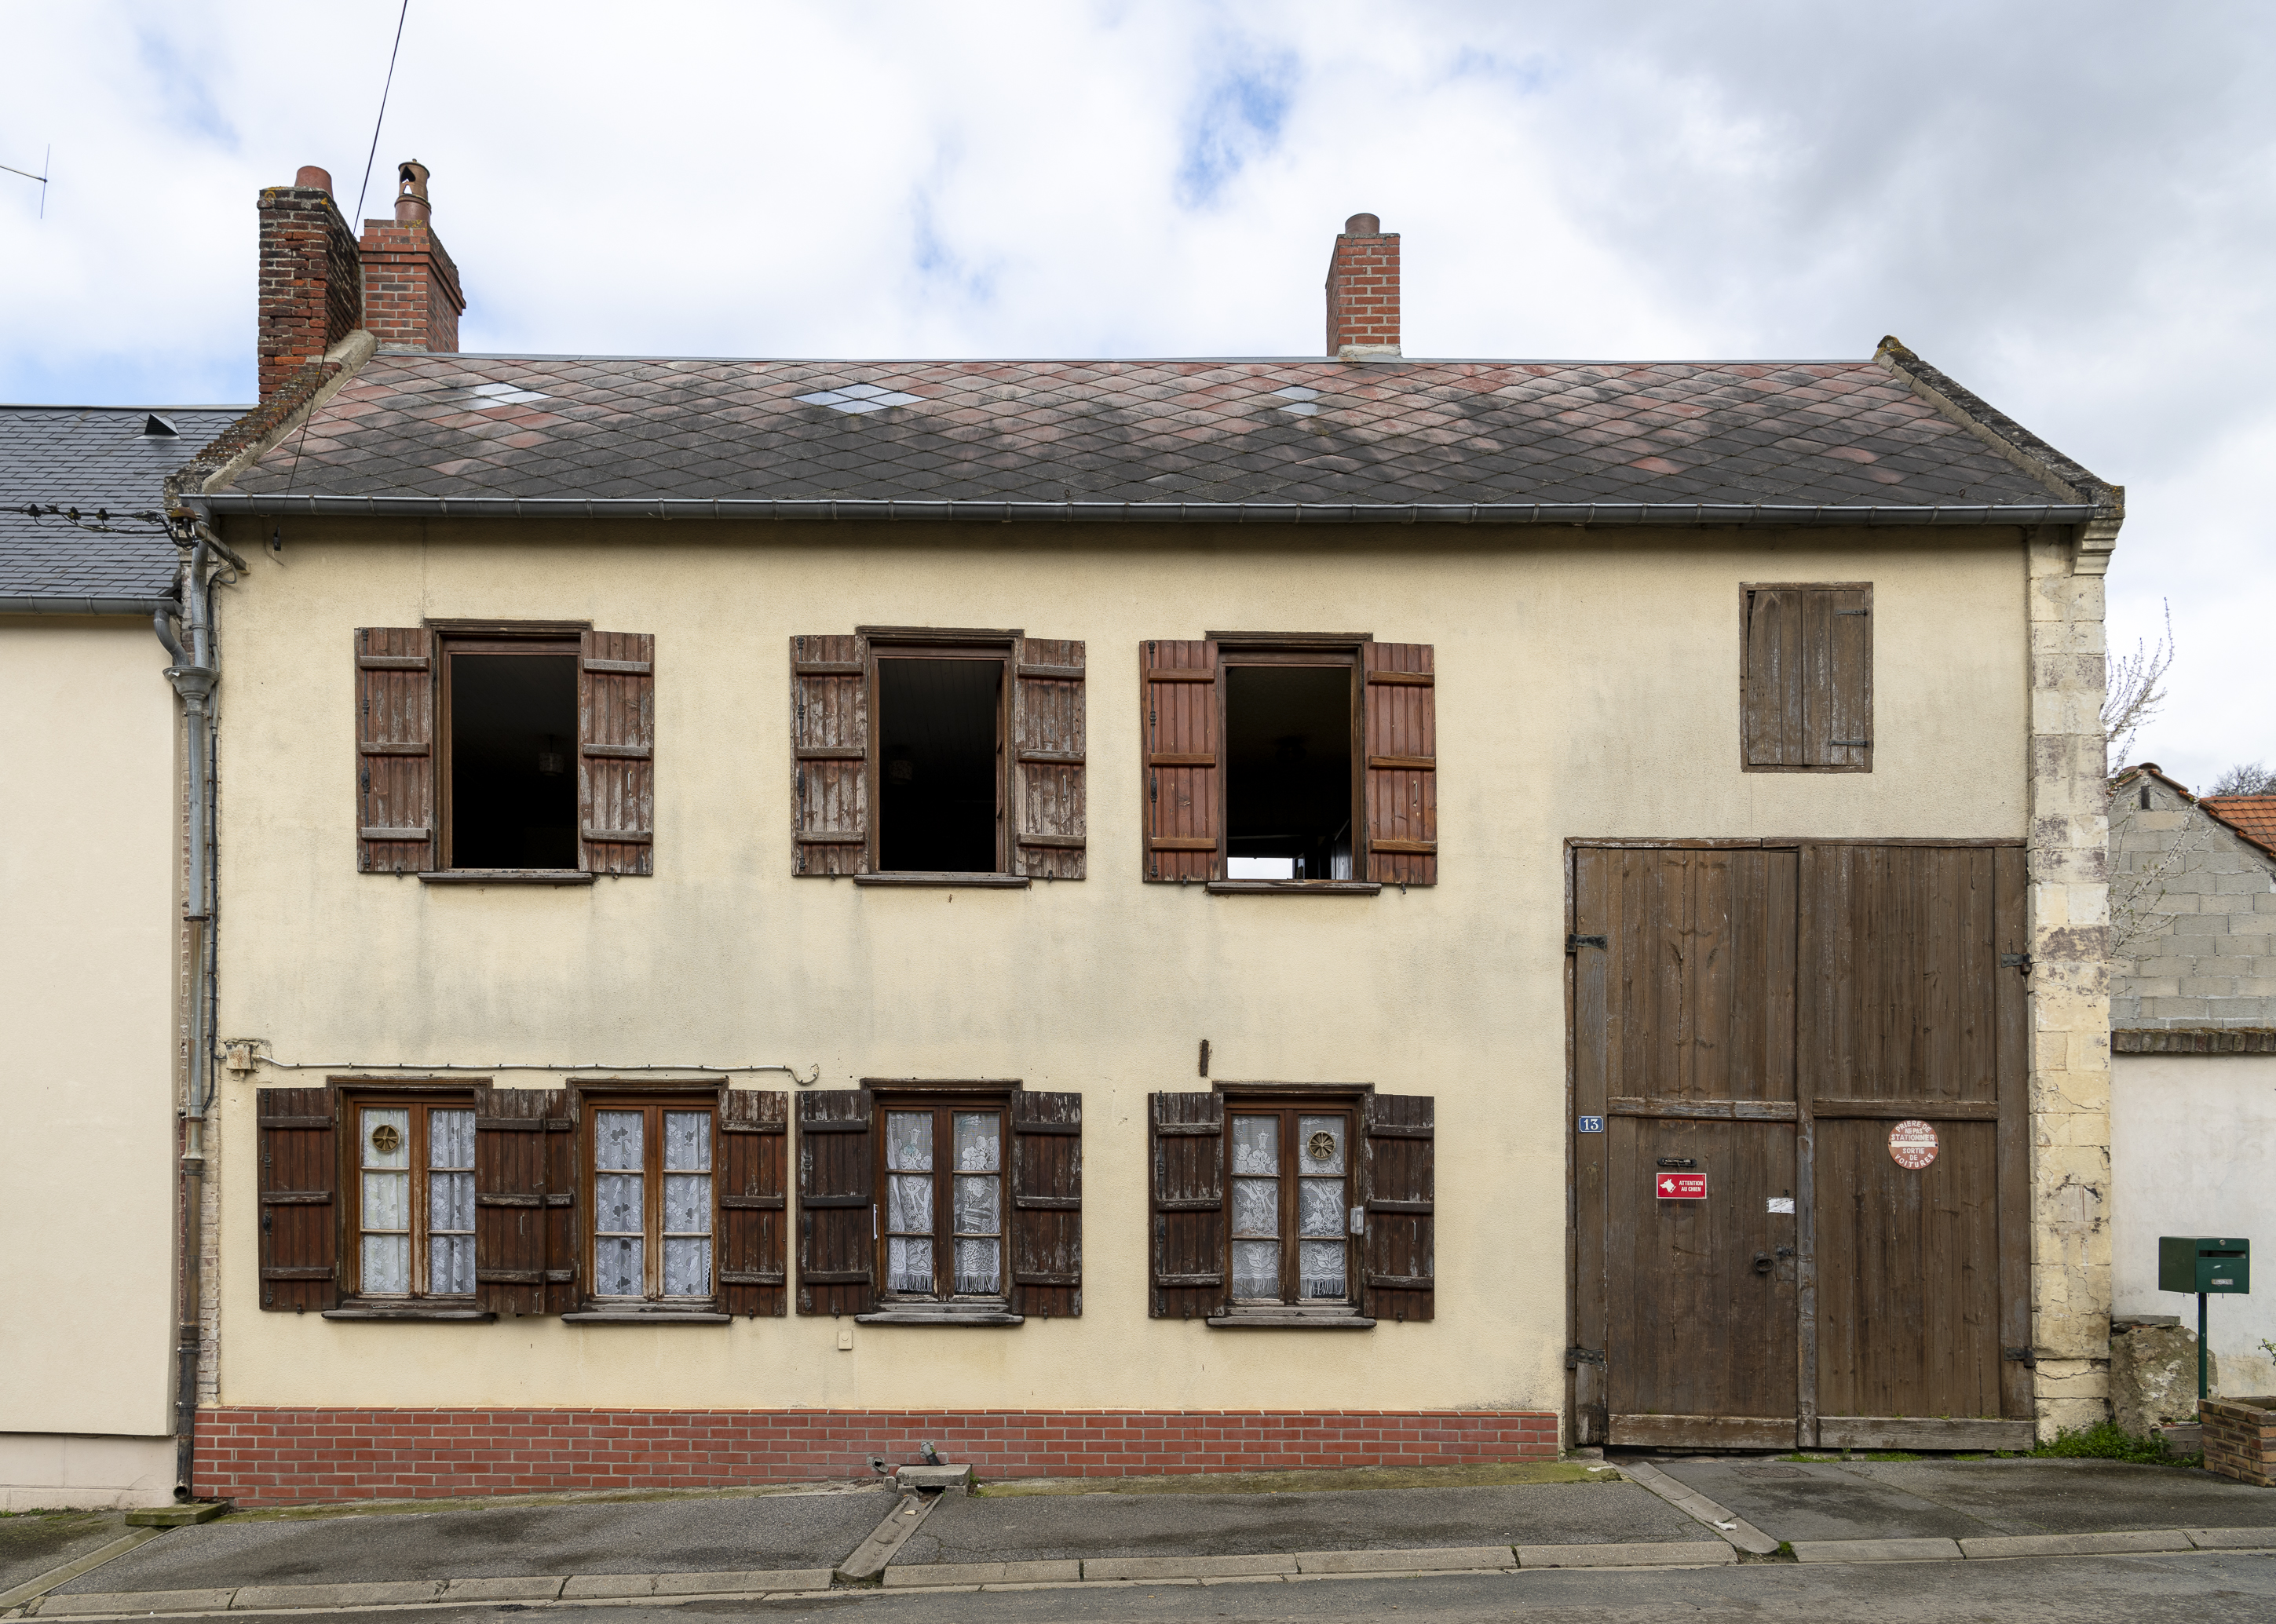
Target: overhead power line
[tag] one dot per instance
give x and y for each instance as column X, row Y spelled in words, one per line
column 362, row 191
column 45, row 165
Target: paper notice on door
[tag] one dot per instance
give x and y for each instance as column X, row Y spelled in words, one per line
column 1782, row 1203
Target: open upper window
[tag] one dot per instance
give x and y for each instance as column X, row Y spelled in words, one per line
column 940, row 1203
column 1806, row 677
column 1283, row 762
column 923, row 757
column 505, row 751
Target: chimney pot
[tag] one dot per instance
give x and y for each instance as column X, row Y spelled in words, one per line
column 1363, row 292
column 411, row 205
column 313, row 179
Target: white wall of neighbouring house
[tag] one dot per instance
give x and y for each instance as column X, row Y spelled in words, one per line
column 89, row 923
column 2193, row 1146
column 1587, row 687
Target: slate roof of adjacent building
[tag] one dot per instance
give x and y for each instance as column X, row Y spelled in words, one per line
column 1152, row 438
column 92, row 457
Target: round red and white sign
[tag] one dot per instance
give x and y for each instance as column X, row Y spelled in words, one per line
column 1912, row 1143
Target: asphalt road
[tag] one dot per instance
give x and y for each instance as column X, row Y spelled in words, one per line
column 2140, row 1589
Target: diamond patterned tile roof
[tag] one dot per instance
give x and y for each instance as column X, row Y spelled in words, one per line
column 1848, row 433
column 91, row 457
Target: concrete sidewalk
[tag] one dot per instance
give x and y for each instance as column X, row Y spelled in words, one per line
column 745, row 1543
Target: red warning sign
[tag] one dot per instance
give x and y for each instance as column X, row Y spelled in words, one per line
column 1680, row 1186
column 1912, row 1143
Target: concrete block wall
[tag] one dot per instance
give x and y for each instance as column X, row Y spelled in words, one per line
column 2193, row 908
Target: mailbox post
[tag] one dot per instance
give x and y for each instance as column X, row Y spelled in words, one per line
column 2205, row 1264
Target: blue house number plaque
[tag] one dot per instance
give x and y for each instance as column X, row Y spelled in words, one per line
column 1592, row 1125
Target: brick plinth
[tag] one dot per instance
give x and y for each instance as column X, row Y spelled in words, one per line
column 2240, row 1438
column 277, row 1457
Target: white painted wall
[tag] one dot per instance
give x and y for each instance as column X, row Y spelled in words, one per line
column 2193, row 1152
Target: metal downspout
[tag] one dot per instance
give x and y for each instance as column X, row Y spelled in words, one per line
column 192, row 675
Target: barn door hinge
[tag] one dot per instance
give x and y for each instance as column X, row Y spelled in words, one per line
column 1575, row 1357
column 2020, row 1355
column 1575, row 944
column 2016, row 961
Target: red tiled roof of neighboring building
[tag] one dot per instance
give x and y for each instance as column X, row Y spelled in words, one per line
column 2253, row 817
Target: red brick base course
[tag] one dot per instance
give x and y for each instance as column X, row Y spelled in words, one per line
column 2240, row 1438
column 275, row 1457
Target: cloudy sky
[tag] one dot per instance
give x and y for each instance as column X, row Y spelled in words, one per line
column 2070, row 207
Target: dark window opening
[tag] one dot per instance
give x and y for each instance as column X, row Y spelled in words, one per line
column 1288, row 783
column 940, row 779
column 514, row 760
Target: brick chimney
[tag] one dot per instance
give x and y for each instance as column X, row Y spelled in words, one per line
column 411, row 295
column 1363, row 292
column 310, row 284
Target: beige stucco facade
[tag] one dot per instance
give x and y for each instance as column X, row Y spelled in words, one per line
column 89, row 832
column 1588, row 685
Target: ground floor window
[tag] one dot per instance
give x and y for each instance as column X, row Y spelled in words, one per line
column 652, row 1201
column 942, row 1215
column 415, row 1213
column 1290, row 1209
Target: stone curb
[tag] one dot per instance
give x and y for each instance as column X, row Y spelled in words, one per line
column 39, row 1585
column 2072, row 1544
column 1678, row 1553
column 2232, row 1539
column 610, row 1587
column 1184, row 1567
column 934, row 1573
column 1877, row 1551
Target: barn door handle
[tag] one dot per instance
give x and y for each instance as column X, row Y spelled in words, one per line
column 1762, row 1262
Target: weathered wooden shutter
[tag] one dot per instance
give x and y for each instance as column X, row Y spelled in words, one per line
column 837, row 1204
column 1186, row 1134
column 525, row 1180
column 830, row 755
column 300, row 1218
column 1402, row 763
column 395, row 750
column 1046, row 1204
column 1839, row 728
column 1183, row 784
column 1397, row 1177
column 754, row 1217
column 1047, row 733
column 1806, row 693
column 616, row 762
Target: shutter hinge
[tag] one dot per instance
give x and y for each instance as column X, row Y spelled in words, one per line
column 2020, row 1355
column 1575, row 944
column 1853, row 612
column 1851, row 744
column 2016, row 961
column 1575, row 1357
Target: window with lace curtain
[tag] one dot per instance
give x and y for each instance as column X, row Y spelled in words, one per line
column 941, row 1200
column 414, row 1202
column 649, row 1163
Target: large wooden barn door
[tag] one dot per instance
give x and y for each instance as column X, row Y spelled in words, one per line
column 1762, row 1019
column 1684, row 1049
column 1911, row 1012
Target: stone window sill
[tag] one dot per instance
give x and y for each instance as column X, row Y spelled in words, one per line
column 647, row 1316
column 952, row 881
column 973, row 1314
column 507, row 876
column 1286, row 1319
column 408, row 1312
column 1295, row 888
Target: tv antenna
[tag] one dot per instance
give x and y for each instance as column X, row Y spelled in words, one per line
column 42, row 178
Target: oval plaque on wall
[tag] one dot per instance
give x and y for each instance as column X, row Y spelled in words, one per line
column 1913, row 1143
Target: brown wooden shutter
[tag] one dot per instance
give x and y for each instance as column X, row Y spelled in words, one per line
column 837, row 1204
column 299, row 1218
column 1046, row 1204
column 1838, row 725
column 830, row 755
column 1047, row 733
column 1183, row 786
column 1396, row 1177
column 395, row 750
column 525, row 1174
column 1186, row 1144
column 1806, row 690
column 616, row 762
column 754, row 1217
column 1402, row 763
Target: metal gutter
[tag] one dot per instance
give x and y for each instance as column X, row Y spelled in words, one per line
column 143, row 606
column 1140, row 513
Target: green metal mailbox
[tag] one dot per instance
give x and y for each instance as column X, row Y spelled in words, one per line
column 2204, row 1263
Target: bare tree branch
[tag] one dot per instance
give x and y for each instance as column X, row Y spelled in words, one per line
column 2133, row 692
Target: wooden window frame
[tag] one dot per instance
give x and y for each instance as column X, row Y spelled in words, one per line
column 652, row 1307
column 351, row 1100
column 547, row 638
column 1324, row 651
column 1290, row 1102
column 1747, row 589
column 919, row 644
column 943, row 1097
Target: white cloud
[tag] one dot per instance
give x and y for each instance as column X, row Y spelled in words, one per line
column 2062, row 204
